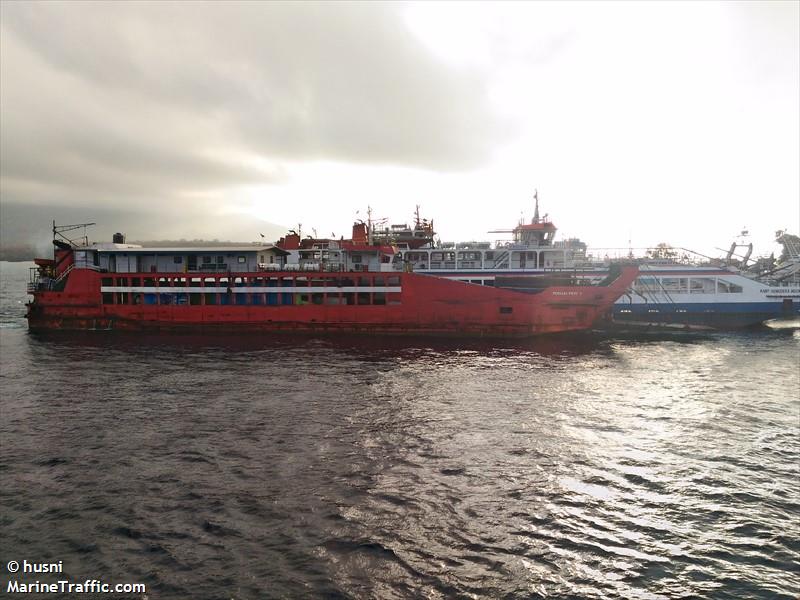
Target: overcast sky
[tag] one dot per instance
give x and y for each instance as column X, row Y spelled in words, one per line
column 673, row 122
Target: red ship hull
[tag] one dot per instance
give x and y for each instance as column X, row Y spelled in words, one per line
column 385, row 303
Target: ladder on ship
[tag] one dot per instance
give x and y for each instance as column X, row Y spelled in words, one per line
column 502, row 260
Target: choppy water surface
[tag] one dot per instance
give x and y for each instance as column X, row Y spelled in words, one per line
column 365, row 468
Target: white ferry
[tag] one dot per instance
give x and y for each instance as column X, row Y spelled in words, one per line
column 666, row 293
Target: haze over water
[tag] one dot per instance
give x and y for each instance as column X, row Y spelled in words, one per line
column 275, row 466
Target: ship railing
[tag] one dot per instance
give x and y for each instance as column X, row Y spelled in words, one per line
column 35, row 276
column 63, row 275
column 39, row 282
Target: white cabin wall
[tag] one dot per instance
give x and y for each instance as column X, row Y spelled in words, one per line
column 124, row 262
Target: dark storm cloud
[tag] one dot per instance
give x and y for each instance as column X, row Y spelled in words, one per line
column 148, row 102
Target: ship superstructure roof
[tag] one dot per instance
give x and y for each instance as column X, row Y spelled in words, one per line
column 132, row 248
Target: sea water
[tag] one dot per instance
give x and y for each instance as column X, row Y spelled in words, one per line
column 576, row 466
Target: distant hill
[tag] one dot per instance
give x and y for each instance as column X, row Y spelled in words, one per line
column 27, row 252
column 26, row 230
column 19, row 252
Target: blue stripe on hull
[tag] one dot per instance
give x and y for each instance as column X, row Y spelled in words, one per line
column 714, row 315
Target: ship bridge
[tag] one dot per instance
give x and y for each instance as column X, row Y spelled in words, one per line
column 540, row 232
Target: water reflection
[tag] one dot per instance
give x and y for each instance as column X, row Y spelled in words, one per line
column 564, row 466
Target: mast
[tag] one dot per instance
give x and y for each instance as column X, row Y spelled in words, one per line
column 536, row 210
column 58, row 232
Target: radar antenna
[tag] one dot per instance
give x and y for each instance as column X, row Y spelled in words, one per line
column 58, row 232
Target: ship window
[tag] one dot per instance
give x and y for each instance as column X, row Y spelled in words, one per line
column 393, row 280
column 379, row 298
column 177, row 260
column 316, row 298
column 136, row 282
column 363, row 282
column 489, row 255
column 356, row 258
column 211, row 299
column 725, row 287
column 332, row 299
column 675, row 285
column 206, row 260
column 363, row 298
column 378, row 281
column 241, row 259
column 106, row 281
column 506, row 310
column 645, row 284
column 701, row 285
column 194, row 299
column 220, row 259
column 108, row 298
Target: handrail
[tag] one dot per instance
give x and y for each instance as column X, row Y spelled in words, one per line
column 502, row 259
column 61, row 277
